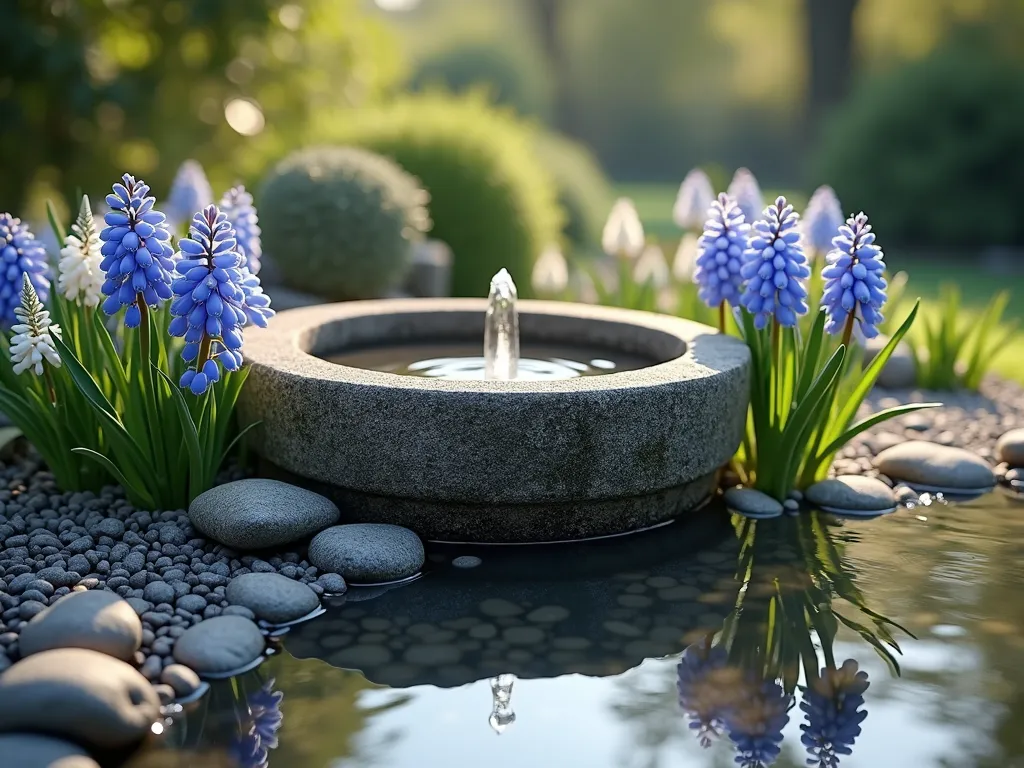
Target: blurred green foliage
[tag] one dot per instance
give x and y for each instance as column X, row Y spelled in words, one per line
column 339, row 222
column 490, row 199
column 510, row 75
column 953, row 352
column 935, row 150
column 583, row 190
column 92, row 88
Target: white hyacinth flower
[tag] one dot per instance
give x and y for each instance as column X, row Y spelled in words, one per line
column 685, row 261
column 623, row 233
column 32, row 342
column 79, row 275
column 652, row 268
column 693, row 200
column 551, row 272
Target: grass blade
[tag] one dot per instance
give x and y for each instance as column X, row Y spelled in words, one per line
column 112, row 468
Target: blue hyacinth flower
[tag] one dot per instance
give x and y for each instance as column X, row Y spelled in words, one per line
column 855, row 290
column 745, row 190
column 251, row 747
column 190, row 192
column 255, row 303
column 20, row 254
column 756, row 723
column 137, row 256
column 208, row 309
column 822, row 219
column 832, row 709
column 775, row 268
column 700, row 680
column 237, row 206
column 720, row 260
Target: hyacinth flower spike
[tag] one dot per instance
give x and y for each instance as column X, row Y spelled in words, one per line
column 855, row 290
column 136, row 253
column 822, row 220
column 20, row 254
column 190, row 191
column 832, row 708
column 693, row 200
column 238, row 207
column 745, row 190
column 720, row 259
column 755, row 725
column 32, row 340
column 775, row 268
column 208, row 308
column 708, row 688
column 79, row 273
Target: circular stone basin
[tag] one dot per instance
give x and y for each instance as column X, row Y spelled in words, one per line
column 497, row 461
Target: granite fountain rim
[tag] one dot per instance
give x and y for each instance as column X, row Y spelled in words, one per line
column 286, row 346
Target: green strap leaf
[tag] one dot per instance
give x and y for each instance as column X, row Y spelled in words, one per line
column 84, row 381
column 188, row 427
column 868, row 423
column 870, row 376
column 136, row 490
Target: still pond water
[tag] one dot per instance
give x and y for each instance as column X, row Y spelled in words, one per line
column 593, row 635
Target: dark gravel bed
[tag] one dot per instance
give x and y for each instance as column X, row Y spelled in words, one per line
column 52, row 543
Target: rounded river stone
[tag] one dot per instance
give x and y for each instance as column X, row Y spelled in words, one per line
column 368, row 552
column 272, row 597
column 219, row 645
column 918, row 462
column 1010, row 448
column 257, row 513
column 183, row 680
column 852, row 492
column 751, row 502
column 27, row 750
column 83, row 695
column 95, row 620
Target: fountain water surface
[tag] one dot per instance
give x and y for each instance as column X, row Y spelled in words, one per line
column 504, row 358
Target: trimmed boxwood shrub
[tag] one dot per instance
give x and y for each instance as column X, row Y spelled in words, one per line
column 583, row 190
column 491, row 199
column 339, row 222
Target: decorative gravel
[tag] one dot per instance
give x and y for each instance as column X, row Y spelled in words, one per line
column 172, row 576
column 971, row 420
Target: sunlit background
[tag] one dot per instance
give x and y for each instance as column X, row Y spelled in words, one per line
column 912, row 109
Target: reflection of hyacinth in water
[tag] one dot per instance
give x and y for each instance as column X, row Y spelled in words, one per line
column 707, row 687
column 832, row 705
column 755, row 724
column 251, row 748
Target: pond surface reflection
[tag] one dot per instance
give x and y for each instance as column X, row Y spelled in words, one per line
column 594, row 635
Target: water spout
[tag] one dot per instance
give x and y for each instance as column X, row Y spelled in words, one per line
column 501, row 329
column 502, row 715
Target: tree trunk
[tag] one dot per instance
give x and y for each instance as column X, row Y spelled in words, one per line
column 547, row 18
column 830, row 60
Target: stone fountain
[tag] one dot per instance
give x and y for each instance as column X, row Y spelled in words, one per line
column 605, row 421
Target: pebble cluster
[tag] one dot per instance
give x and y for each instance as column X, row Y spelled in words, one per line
column 963, row 448
column 172, row 577
column 974, row 421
